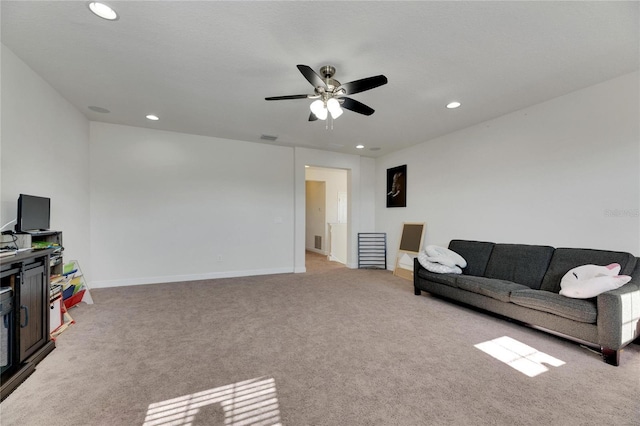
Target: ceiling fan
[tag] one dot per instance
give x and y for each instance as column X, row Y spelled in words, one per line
column 331, row 95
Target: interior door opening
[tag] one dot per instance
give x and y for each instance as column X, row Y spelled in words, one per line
column 327, row 213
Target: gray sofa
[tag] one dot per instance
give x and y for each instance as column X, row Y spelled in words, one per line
column 522, row 282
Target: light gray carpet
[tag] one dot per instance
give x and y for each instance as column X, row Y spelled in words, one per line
column 329, row 347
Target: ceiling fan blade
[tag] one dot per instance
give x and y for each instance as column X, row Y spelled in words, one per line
column 355, row 106
column 312, row 76
column 280, row 98
column 361, row 85
column 312, row 117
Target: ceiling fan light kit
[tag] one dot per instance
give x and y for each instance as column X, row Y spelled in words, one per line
column 334, row 108
column 319, row 109
column 330, row 95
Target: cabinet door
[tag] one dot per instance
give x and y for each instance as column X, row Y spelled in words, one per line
column 33, row 327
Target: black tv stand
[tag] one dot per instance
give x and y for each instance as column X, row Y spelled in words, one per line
column 28, row 339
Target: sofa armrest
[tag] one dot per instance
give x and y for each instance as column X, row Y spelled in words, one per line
column 416, row 266
column 619, row 314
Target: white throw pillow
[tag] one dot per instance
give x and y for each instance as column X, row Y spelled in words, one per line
column 586, row 281
column 444, row 256
column 438, row 268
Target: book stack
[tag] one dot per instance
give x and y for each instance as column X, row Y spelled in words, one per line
column 74, row 289
column 54, row 290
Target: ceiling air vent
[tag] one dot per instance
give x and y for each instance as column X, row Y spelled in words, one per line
column 268, row 138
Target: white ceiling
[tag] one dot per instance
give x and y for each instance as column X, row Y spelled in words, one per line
column 206, row 67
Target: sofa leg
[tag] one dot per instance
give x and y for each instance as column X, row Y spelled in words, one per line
column 416, row 291
column 611, row 356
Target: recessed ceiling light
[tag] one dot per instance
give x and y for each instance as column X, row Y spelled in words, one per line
column 360, row 146
column 453, row 105
column 102, row 10
column 153, row 117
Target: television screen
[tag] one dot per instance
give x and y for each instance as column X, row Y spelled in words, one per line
column 33, row 213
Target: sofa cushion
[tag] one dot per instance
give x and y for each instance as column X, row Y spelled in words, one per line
column 446, row 279
column 519, row 263
column 581, row 310
column 564, row 259
column 490, row 287
column 476, row 253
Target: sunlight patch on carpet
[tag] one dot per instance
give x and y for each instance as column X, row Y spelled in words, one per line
column 519, row 356
column 249, row 403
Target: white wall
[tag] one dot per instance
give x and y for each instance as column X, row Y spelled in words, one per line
column 45, row 152
column 367, row 196
column 168, row 207
column 563, row 173
column 316, row 208
column 129, row 200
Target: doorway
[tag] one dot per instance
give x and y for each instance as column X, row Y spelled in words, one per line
column 326, row 213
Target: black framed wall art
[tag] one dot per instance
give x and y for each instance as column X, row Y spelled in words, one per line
column 397, row 186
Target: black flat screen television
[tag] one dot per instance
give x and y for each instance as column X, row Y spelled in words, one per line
column 34, row 213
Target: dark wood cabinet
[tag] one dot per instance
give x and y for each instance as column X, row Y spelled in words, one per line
column 27, row 274
column 33, row 304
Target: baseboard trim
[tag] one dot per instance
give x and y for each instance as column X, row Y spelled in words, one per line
column 190, row 277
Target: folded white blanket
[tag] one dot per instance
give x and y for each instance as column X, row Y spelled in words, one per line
column 444, row 256
column 437, row 267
